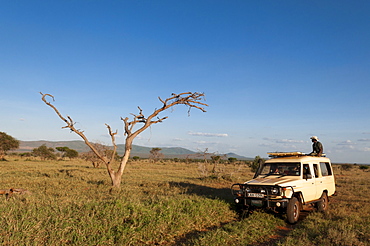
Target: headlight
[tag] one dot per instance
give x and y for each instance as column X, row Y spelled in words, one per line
column 237, row 200
column 274, row 191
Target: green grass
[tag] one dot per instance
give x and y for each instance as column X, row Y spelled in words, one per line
column 257, row 228
column 163, row 203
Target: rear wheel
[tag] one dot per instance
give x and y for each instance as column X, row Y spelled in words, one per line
column 293, row 210
column 322, row 205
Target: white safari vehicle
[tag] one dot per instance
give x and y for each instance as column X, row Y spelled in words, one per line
column 286, row 183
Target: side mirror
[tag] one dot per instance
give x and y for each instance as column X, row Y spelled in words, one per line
column 259, row 169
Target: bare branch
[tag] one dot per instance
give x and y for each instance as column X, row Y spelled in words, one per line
column 189, row 99
column 112, row 134
column 159, row 120
column 127, row 124
column 55, row 109
column 160, row 99
column 70, row 125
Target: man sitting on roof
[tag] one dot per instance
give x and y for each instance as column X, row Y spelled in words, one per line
column 317, row 148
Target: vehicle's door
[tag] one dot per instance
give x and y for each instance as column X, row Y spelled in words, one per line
column 308, row 187
column 327, row 178
column 320, row 185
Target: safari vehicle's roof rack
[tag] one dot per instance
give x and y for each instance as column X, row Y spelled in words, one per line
column 286, row 154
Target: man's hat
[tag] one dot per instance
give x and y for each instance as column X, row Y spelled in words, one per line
column 314, row 137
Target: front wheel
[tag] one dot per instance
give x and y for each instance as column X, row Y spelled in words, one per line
column 322, row 205
column 293, row 210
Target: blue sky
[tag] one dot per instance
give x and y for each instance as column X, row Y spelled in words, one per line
column 274, row 72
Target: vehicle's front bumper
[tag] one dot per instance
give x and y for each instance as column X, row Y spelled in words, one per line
column 262, row 203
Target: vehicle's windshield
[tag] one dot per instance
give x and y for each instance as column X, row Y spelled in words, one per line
column 283, row 168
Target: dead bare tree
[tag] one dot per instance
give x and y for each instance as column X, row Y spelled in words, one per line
column 204, row 154
column 189, row 99
column 216, row 158
column 203, row 166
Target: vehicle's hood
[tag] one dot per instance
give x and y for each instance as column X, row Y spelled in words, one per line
column 272, row 180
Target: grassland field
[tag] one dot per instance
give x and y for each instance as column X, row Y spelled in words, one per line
column 164, row 203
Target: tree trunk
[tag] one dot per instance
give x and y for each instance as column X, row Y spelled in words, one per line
column 116, row 177
column 2, row 155
column 116, row 180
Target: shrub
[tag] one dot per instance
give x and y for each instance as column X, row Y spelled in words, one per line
column 256, row 163
column 364, row 167
column 7, row 143
column 44, row 152
column 346, row 167
column 67, row 152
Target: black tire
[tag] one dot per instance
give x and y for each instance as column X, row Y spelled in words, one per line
column 322, row 205
column 293, row 210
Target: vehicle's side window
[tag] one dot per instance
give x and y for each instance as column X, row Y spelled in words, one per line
column 325, row 169
column 316, row 170
column 306, row 172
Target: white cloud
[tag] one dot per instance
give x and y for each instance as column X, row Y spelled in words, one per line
column 347, row 142
column 177, row 139
column 204, row 134
column 268, row 139
column 273, row 144
column 345, row 145
column 283, row 140
column 265, row 145
column 200, row 142
column 289, row 141
column 364, row 140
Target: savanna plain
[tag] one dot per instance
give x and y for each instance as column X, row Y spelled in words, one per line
column 164, row 203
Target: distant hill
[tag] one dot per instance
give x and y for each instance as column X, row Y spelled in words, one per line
column 239, row 157
column 143, row 152
column 79, row 146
